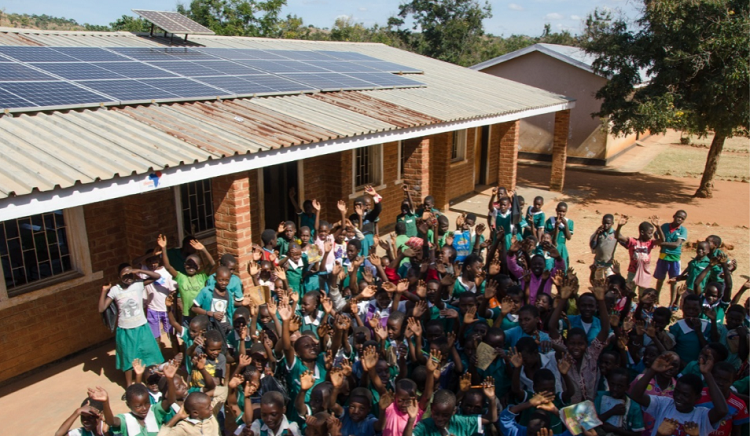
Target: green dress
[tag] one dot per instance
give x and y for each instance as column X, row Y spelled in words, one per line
column 129, row 425
column 549, row 227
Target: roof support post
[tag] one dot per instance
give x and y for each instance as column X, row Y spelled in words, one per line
column 559, row 150
column 508, row 167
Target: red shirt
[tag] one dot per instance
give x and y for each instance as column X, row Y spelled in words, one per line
column 737, row 413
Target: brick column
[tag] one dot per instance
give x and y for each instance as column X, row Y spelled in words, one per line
column 146, row 216
column 508, row 168
column 232, row 196
column 416, row 167
column 440, row 160
column 559, row 150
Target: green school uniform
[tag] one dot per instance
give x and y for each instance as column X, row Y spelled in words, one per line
column 694, row 268
column 670, row 235
column 459, row 425
column 459, row 288
column 295, row 273
column 496, row 370
column 189, row 288
column 308, row 221
column 295, row 372
column 549, row 227
column 282, row 245
column 448, row 323
column 537, row 218
column 505, row 221
column 410, row 221
column 715, row 274
column 129, row 426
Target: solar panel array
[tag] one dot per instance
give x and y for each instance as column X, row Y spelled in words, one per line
column 34, row 78
column 173, row 22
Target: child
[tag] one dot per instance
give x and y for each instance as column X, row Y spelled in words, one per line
column 616, row 411
column 672, row 236
column 444, row 420
column 217, row 303
column 561, row 229
column 661, row 385
column 235, row 283
column 303, row 356
column 395, row 408
column 196, row 418
column 690, row 332
column 592, row 325
column 157, row 292
column 536, row 282
column 695, row 267
column 539, row 420
column 91, row 421
column 723, row 374
column 639, row 270
column 407, row 216
column 503, row 219
column 686, row 394
column 133, row 339
column 285, row 237
column 273, row 420
column 535, row 218
column 356, row 418
column 193, row 280
column 528, row 326
column 603, row 244
column 306, row 214
column 209, row 345
column 144, row 419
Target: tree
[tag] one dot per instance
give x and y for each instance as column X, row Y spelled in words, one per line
column 449, row 29
column 696, row 53
column 129, row 24
column 237, row 17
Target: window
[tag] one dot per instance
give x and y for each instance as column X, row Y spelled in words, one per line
column 197, row 208
column 458, row 147
column 368, row 165
column 33, row 249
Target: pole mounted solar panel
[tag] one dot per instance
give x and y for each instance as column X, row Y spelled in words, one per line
column 172, row 22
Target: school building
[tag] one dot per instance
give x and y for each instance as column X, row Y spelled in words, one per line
column 83, row 190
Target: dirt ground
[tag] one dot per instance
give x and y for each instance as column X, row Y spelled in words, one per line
column 60, row 388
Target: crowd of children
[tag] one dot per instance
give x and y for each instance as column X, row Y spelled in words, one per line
column 480, row 328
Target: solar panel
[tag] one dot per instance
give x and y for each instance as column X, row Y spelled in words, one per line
column 282, row 66
column 185, row 88
column 330, row 81
column 342, row 66
column 20, row 73
column 134, row 70
column 185, row 68
column 280, row 84
column 35, row 54
column 77, row 70
column 237, row 85
column 348, row 55
column 227, row 67
column 305, row 55
column 53, row 93
column 9, row 101
column 144, row 53
column 128, row 90
column 242, row 53
column 389, row 67
column 387, row 80
column 173, row 22
column 90, row 54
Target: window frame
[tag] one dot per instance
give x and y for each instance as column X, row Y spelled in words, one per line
column 80, row 261
column 204, row 235
column 458, row 139
column 377, row 177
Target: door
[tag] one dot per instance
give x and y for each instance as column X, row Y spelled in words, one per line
column 277, row 180
column 481, row 148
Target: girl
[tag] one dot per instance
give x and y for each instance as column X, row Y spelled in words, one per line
column 133, row 338
column 535, row 218
column 91, row 421
column 561, row 229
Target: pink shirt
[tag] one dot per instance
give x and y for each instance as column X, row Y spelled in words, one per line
column 395, row 421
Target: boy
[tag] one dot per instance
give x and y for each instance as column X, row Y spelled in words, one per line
column 217, row 303
column 603, row 244
column 686, row 394
column 639, row 270
column 616, row 411
column 196, row 418
column 273, row 420
column 690, row 332
column 443, row 419
column 193, row 280
column 285, row 237
column 407, row 216
column 306, row 213
column 535, row 218
column 672, row 236
column 696, row 265
column 723, row 373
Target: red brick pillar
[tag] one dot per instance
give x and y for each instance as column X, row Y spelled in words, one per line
column 146, row 216
column 415, row 155
column 508, row 169
column 440, row 161
column 559, row 150
column 231, row 196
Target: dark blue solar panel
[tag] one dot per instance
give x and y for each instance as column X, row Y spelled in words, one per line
column 386, row 79
column 188, row 54
column 347, row 55
column 280, row 84
column 77, row 71
column 389, row 67
column 53, row 93
column 226, row 67
column 128, row 90
column 283, row 66
column 144, row 54
column 236, row 85
column 8, row 101
column 330, row 81
column 242, row 53
column 304, row 55
column 12, row 72
column 134, row 70
column 35, row 54
column 90, row 54
column 185, row 88
column 185, row 68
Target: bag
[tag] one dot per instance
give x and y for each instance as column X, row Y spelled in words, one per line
column 109, row 317
column 462, row 244
column 268, row 384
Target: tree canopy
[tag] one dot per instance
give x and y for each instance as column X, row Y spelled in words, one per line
column 237, row 17
column 696, row 53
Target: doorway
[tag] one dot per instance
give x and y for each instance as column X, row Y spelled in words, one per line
column 481, row 151
column 277, row 180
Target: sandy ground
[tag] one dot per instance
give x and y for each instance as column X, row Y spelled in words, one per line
column 60, row 388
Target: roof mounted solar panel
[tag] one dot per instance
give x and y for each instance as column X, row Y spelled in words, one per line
column 172, row 22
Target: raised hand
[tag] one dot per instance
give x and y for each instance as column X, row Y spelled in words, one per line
column 374, row 260
column 161, row 241
column 138, row 366
column 563, row 364
column 389, row 287
column 327, row 304
column 285, row 311
column 307, row 380
column 413, row 409
column 385, row 400
column 245, row 361
column 488, row 387
column 661, row 364
column 421, row 289
column 341, row 206
column 414, row 325
column 98, row 394
column 402, row 286
column 623, row 220
column 599, row 292
column 236, row 381
column 380, row 332
column 451, row 339
column 691, row 428
column 515, row 358
column 199, row 361
column 334, row 425
column 251, row 388
column 470, row 316
column 433, row 361
column 374, row 321
column 295, row 323
column 464, row 383
column 346, row 367
column 316, row 205
column 710, row 313
column 369, row 358
column 368, row 292
column 337, row 377
column 667, row 427
column 506, row 305
column 541, row 398
column 324, row 330
column 170, row 369
column 197, row 246
column 706, row 362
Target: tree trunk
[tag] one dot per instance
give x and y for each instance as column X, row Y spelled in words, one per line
column 705, row 190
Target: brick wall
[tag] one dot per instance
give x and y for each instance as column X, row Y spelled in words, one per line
column 450, row 180
column 493, row 155
column 508, row 152
column 49, row 328
column 416, row 168
column 559, row 150
column 232, row 197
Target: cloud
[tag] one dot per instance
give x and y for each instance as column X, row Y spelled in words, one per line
column 575, row 17
column 554, row 16
column 515, row 7
column 362, row 9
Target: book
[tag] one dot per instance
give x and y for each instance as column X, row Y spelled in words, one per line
column 580, row 417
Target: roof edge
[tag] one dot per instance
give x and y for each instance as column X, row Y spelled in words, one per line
column 539, row 47
column 79, row 195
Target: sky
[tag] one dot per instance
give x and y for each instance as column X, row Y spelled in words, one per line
column 526, row 17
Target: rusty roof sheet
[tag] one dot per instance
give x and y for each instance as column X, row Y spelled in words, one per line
column 62, row 148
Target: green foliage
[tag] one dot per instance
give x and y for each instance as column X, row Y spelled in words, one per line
column 697, row 52
column 240, row 17
column 448, row 29
column 127, row 23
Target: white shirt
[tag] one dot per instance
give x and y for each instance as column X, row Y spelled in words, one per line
column 548, row 361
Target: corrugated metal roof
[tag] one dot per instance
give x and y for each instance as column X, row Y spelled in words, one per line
column 63, row 148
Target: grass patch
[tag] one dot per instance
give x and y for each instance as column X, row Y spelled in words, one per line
column 688, row 161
